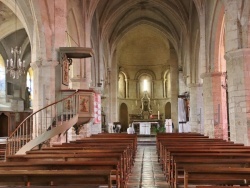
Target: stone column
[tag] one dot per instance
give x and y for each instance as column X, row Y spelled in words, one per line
column 219, row 106
column 208, row 105
column 174, row 88
column 238, row 73
column 195, row 108
column 44, row 84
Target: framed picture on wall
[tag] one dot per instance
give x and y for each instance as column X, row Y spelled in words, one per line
column 65, row 71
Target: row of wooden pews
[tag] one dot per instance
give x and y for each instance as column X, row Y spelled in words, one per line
column 193, row 159
column 102, row 159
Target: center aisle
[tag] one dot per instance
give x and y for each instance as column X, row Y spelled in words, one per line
column 146, row 172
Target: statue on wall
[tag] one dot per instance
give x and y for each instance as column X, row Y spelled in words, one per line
column 27, row 98
column 146, row 110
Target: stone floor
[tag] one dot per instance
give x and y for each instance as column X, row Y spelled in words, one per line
column 146, row 172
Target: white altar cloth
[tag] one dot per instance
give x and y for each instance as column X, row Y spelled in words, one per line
column 144, row 127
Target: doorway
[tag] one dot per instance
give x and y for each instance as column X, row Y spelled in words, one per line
column 168, row 110
column 3, row 125
column 124, row 117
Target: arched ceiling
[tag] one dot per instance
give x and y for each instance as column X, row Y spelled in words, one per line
column 12, row 33
column 156, row 24
column 171, row 17
column 143, row 46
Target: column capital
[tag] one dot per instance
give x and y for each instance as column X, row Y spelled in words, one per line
column 211, row 74
column 229, row 56
column 195, row 85
column 43, row 63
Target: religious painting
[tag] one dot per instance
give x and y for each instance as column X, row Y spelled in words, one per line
column 84, row 102
column 65, row 71
column 68, row 105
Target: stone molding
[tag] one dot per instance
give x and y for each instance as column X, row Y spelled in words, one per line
column 211, row 74
column 229, row 56
column 42, row 63
column 195, row 85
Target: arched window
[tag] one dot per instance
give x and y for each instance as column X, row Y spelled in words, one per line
column 122, row 85
column 2, row 77
column 145, row 84
column 29, row 84
column 166, row 85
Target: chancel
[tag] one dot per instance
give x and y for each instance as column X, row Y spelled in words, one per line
column 145, row 120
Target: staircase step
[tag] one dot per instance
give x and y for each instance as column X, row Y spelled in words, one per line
column 146, row 140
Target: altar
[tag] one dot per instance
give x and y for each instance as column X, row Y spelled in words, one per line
column 144, row 126
column 145, row 121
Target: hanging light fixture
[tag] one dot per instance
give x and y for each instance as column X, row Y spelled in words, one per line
column 15, row 66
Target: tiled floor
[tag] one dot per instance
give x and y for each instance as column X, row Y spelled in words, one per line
column 146, row 172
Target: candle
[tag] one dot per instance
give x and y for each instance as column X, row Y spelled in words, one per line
column 135, row 102
column 158, row 115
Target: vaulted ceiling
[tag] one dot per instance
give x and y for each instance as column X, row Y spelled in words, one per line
column 143, row 31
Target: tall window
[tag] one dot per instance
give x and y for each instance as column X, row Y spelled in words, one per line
column 2, row 77
column 122, row 85
column 29, row 84
column 145, row 84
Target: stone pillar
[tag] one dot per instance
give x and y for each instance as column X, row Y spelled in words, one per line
column 238, row 73
column 195, row 108
column 174, row 89
column 208, row 105
column 219, row 106
column 113, row 99
column 44, row 85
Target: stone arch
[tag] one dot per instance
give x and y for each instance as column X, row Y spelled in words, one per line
column 168, row 110
column 122, row 85
column 123, row 117
column 218, row 69
column 4, row 129
column 166, row 84
column 138, row 77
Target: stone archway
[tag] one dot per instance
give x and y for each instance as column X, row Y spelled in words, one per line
column 3, row 125
column 168, row 110
column 123, row 117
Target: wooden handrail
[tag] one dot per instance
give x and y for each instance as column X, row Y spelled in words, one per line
column 40, row 121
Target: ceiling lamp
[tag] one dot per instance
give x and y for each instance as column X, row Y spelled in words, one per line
column 15, row 66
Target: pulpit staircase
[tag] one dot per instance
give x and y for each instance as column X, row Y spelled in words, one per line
column 44, row 124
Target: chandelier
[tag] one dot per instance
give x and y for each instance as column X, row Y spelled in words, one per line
column 15, row 66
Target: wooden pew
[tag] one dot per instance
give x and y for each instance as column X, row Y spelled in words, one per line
column 54, row 177
column 112, row 165
column 216, row 176
column 75, row 157
column 96, row 153
column 180, row 164
column 179, row 147
column 195, row 144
